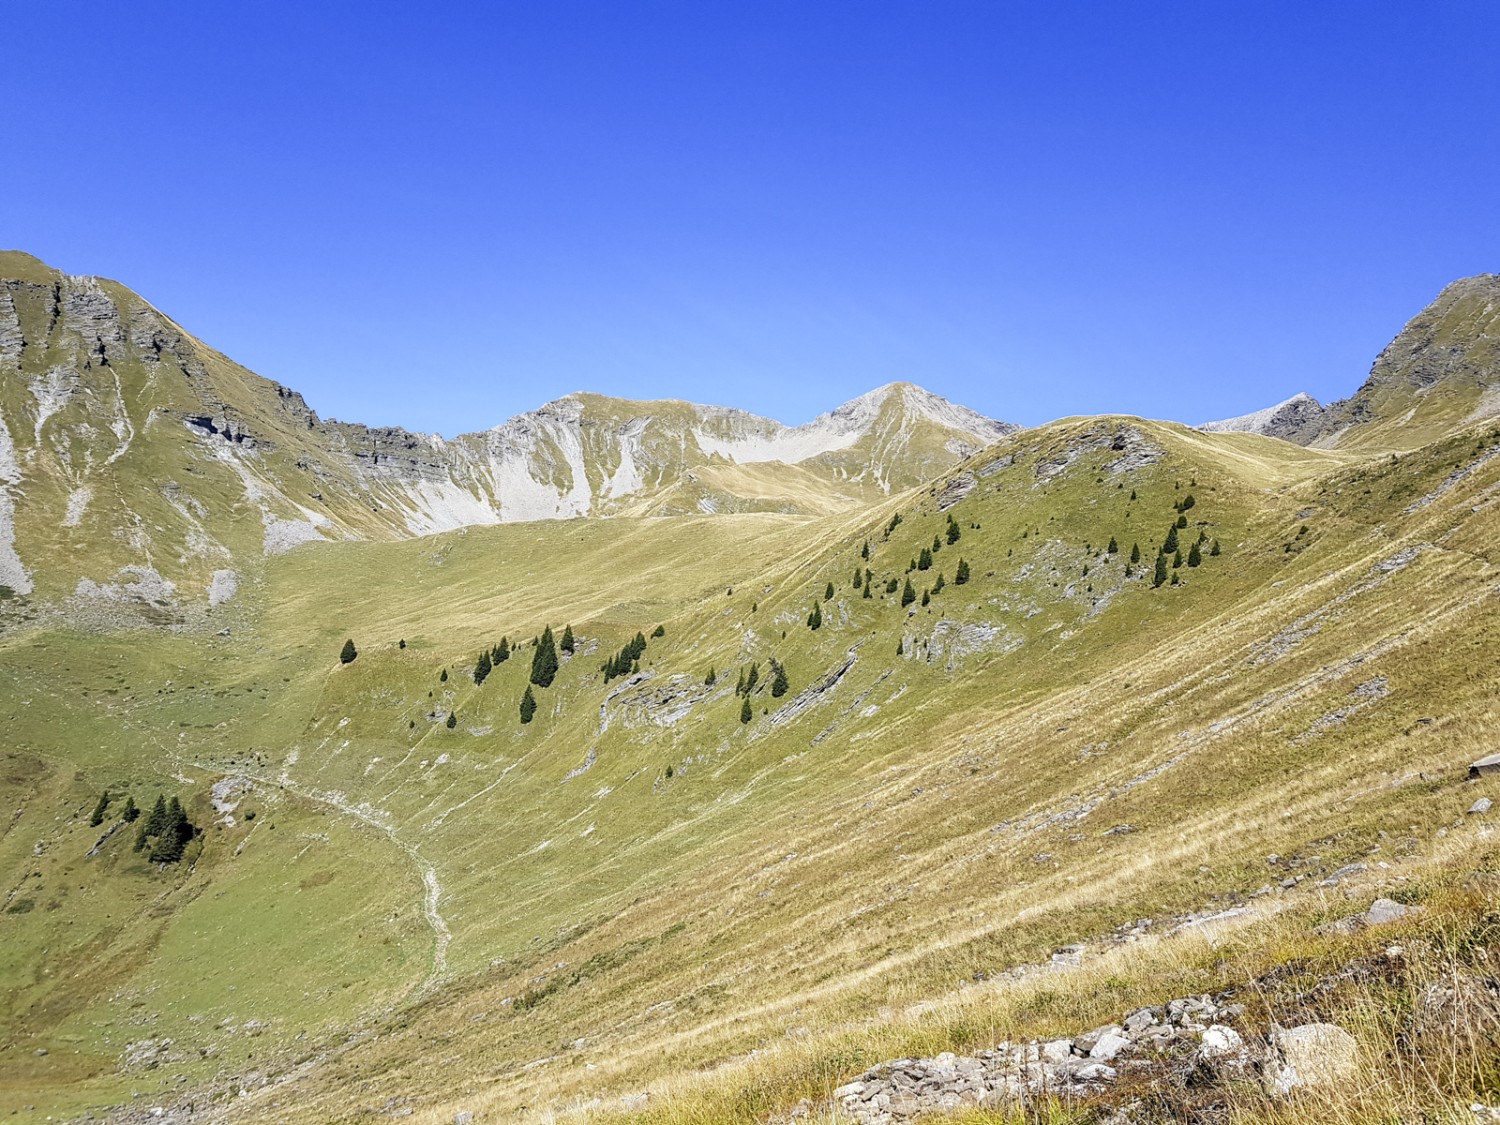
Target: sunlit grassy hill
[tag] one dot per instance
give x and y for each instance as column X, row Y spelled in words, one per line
column 1090, row 679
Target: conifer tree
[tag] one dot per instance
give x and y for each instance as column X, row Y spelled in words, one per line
column 936, row 545
column 1186, row 502
column 443, row 676
column 752, row 678
column 401, row 643
column 567, row 643
column 1135, row 552
column 130, row 812
column 858, row 576
column 828, row 592
column 528, row 706
column 961, row 575
column 1114, row 547
column 1194, row 555
column 659, row 631
column 1182, row 521
column 1129, row 571
column 348, row 652
column 893, row 585
column 708, row 681
column 1132, row 494
column 864, row 552
column 739, row 685
column 98, row 817
column 502, row 653
column 1213, row 549
column 937, row 586
column 900, row 646
column 924, row 560
column 482, row 668
column 908, row 594
column 156, row 820
column 815, row 618
column 544, row 660
column 452, row 720
column 745, row 710
column 779, row 683
column 1170, row 543
column 926, row 597
column 1176, row 559
column 953, row 532
column 1161, row 571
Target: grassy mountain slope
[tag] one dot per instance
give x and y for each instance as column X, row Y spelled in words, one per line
column 638, row 886
column 145, row 476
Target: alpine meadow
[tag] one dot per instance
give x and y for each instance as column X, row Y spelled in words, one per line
column 658, row 762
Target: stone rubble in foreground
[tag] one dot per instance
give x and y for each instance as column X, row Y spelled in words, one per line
column 1194, row 1028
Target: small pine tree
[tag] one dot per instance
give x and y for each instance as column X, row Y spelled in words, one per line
column 745, row 713
column 1213, row 549
column 99, row 809
column 1186, row 502
column 708, row 681
column 659, row 631
column 961, row 575
column 779, row 683
column 893, row 585
column 156, row 821
column 1132, row 494
column 752, row 678
column 130, row 812
column 866, row 593
column 567, row 644
column 908, row 594
column 1182, row 521
column 936, row 545
column 1170, row 543
column 401, row 643
column 348, row 652
column 937, row 586
column 1176, row 559
column 1195, row 557
column 858, row 578
column 443, row 676
column 815, row 618
column 926, row 597
column 864, row 552
column 1175, row 579
column 953, row 532
column 1129, row 571
column 828, row 592
column 1135, row 552
column 482, row 668
column 1161, row 571
column 452, row 720
column 528, row 706
column 900, row 646
column 924, row 560
column 544, row 660
column 1114, row 548
column 502, row 651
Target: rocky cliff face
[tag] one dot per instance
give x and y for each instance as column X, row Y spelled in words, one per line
column 1441, row 371
column 132, row 453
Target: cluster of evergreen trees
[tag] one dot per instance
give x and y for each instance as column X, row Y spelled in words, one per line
column 129, row 813
column 627, row 660
column 749, row 680
column 165, row 832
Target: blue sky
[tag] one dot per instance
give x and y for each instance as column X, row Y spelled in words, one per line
column 439, row 218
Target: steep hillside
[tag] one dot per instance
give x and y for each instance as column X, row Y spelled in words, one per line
column 143, row 473
column 1441, row 372
column 645, row 880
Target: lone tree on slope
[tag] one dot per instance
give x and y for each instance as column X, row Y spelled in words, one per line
column 567, row 644
column 745, row 712
column 528, row 706
column 348, row 652
column 908, row 594
column 815, row 618
column 961, row 575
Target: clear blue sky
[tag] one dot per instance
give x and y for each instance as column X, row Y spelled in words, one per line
column 441, row 215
